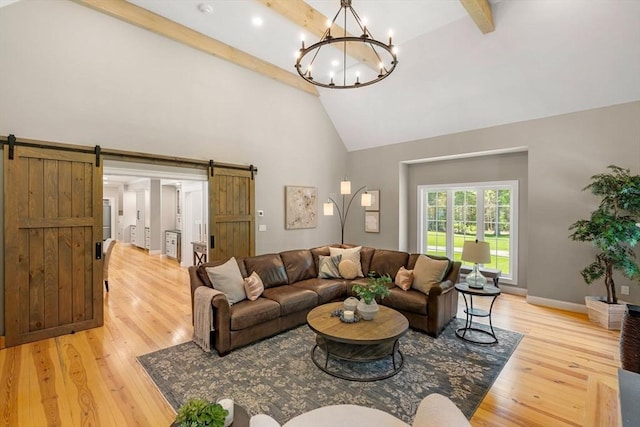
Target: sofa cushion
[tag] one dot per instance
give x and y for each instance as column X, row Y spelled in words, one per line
column 204, row 276
column 352, row 254
column 428, row 273
column 253, row 286
column 321, row 250
column 366, row 253
column 348, row 269
column 412, row 301
column 414, row 257
column 386, row 261
column 250, row 313
column 270, row 269
column 299, row 265
column 328, row 290
column 404, row 279
column 291, row 299
column 329, row 267
column 227, row 278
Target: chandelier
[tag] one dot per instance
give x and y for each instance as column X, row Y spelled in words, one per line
column 321, row 67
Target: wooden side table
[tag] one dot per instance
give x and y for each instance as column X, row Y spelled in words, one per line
column 199, row 252
column 471, row 312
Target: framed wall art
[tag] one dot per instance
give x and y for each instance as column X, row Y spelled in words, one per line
column 301, row 207
column 375, row 201
column 372, row 222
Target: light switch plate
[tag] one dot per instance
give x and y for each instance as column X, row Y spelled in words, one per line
column 262, row 227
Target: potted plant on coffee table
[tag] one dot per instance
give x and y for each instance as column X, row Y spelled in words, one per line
column 200, row 413
column 375, row 287
column 613, row 230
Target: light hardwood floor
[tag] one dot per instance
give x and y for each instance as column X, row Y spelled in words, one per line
column 92, row 378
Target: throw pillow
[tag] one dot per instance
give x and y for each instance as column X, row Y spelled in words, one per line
column 348, row 269
column 352, row 253
column 404, row 279
column 328, row 267
column 253, row 286
column 227, row 279
column 428, row 273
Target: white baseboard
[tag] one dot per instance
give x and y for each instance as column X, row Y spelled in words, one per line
column 513, row 290
column 562, row 305
column 158, row 252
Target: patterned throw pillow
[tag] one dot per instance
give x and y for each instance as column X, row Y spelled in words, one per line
column 404, row 279
column 227, row 279
column 328, row 267
column 253, row 286
column 428, row 273
column 352, row 253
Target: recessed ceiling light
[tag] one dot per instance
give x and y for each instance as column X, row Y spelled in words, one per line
column 205, row 8
column 257, row 21
column 335, row 62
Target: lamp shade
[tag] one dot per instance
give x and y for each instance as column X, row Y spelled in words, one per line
column 476, row 252
column 345, row 187
column 365, row 200
column 328, row 208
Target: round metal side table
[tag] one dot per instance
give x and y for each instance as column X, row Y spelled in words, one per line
column 471, row 312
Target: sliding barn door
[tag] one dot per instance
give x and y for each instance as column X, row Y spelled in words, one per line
column 53, row 223
column 231, row 213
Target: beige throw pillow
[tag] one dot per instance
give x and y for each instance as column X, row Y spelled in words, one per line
column 352, row 254
column 348, row 269
column 227, row 279
column 404, row 279
column 328, row 267
column 253, row 286
column 428, row 273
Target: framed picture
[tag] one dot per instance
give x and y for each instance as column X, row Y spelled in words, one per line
column 372, row 222
column 301, row 207
column 375, row 201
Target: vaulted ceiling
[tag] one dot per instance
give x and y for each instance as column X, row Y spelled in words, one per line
column 544, row 58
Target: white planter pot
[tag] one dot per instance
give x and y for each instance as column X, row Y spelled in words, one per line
column 608, row 316
column 367, row 311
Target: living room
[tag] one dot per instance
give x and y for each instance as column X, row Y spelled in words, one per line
column 73, row 75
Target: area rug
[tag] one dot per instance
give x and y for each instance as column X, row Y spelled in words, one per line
column 276, row 376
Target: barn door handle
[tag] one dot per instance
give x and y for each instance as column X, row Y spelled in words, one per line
column 99, row 250
column 212, row 241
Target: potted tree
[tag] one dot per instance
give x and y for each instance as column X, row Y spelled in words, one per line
column 375, row 287
column 613, row 230
column 198, row 412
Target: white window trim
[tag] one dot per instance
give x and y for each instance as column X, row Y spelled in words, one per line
column 512, row 185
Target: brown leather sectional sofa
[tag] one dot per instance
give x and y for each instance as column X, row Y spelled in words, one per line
column 292, row 289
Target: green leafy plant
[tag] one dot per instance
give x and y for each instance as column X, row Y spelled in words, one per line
column 375, row 286
column 612, row 228
column 200, row 413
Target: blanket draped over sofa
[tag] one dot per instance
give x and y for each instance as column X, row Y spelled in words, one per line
column 292, row 289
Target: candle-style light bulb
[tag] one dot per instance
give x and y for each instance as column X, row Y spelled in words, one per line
column 390, row 37
column 302, row 40
column 364, row 25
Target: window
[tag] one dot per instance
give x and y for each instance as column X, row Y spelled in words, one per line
column 450, row 214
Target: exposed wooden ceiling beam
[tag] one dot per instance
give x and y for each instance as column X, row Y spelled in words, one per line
column 305, row 16
column 143, row 18
column 480, row 12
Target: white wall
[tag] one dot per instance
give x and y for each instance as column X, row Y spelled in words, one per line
column 562, row 153
column 71, row 74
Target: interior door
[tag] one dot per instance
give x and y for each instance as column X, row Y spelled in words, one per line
column 53, row 232
column 231, row 213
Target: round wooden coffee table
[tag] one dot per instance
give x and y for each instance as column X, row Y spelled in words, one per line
column 363, row 341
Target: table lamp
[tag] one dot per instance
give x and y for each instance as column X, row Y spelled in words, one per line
column 477, row 253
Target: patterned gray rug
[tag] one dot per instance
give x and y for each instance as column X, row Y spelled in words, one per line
column 276, row 376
